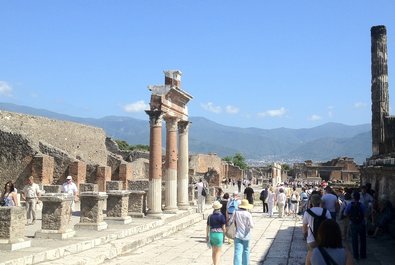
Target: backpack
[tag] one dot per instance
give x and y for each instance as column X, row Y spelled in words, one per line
column 317, row 220
column 356, row 214
column 204, row 191
column 263, row 195
column 233, row 205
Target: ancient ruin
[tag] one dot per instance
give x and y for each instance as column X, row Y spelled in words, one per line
column 379, row 169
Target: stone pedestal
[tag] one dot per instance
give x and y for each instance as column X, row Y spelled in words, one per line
column 84, row 187
column 118, row 207
column 52, row 188
column 191, row 194
column 137, row 203
column 92, row 205
column 12, row 228
column 114, row 185
column 56, row 216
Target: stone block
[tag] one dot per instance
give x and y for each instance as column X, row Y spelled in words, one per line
column 114, row 185
column 91, row 214
column 43, row 168
column 52, row 188
column 117, row 203
column 125, row 172
column 12, row 228
column 140, row 184
column 86, row 187
column 137, row 203
column 103, row 175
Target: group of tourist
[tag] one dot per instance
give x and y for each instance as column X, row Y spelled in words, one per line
column 31, row 193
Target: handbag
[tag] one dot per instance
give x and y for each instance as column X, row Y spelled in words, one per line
column 231, row 228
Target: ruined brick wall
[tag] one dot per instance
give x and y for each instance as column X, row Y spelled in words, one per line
column 82, row 142
column 23, row 136
column 235, row 172
column 200, row 163
column 16, row 155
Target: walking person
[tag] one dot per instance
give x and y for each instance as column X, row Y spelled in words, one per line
column 329, row 248
column 31, row 193
column 264, row 198
column 249, row 194
column 201, row 198
column 70, row 188
column 281, row 201
column 271, row 201
column 294, row 202
column 356, row 212
column 9, row 196
column 215, row 231
column 244, row 224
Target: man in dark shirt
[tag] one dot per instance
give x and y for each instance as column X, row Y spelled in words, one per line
column 249, row 194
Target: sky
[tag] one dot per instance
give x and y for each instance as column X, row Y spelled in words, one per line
column 259, row 63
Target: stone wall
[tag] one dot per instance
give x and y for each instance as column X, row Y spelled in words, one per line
column 382, row 179
column 201, row 163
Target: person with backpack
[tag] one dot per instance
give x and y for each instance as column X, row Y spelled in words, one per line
column 263, row 197
column 312, row 219
column 356, row 212
column 201, row 188
column 232, row 205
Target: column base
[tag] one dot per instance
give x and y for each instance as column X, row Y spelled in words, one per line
column 155, row 215
column 136, row 214
column 171, row 211
column 54, row 234
column 184, row 206
column 118, row 220
column 8, row 246
column 91, row 226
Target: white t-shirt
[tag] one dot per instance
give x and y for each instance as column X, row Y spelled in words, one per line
column 31, row 191
column 281, row 198
column 70, row 188
column 199, row 186
column 309, row 220
column 329, row 201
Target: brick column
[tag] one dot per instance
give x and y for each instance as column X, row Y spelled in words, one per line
column 171, row 165
column 125, row 173
column 77, row 170
column 43, row 168
column 155, row 165
column 102, row 176
column 183, row 166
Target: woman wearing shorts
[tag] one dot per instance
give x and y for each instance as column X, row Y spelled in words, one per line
column 215, row 231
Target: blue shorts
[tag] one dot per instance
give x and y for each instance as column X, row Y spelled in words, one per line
column 216, row 239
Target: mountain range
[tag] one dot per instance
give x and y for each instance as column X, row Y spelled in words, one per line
column 321, row 143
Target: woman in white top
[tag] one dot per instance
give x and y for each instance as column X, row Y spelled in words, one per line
column 271, row 198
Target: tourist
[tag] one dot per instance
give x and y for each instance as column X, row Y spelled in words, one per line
column 70, row 188
column 249, row 194
column 232, row 206
column 244, row 224
column 294, row 202
column 330, row 201
column 9, row 196
column 304, row 198
column 356, row 212
column 218, row 194
column 201, row 198
column 329, row 246
column 264, row 198
column 239, row 185
column 271, row 201
column 343, row 220
column 281, row 200
column 367, row 200
column 215, row 231
column 308, row 223
column 31, row 193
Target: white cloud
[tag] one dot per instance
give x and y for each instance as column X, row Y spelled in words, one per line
column 136, row 106
column 273, row 113
column 232, row 109
column 5, row 89
column 315, row 117
column 211, row 107
column 360, row 105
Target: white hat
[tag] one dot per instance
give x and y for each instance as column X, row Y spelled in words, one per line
column 217, row 205
column 69, row 177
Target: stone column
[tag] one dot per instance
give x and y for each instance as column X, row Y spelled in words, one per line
column 380, row 101
column 183, row 166
column 56, row 216
column 91, row 215
column 125, row 173
column 171, row 165
column 155, row 165
column 12, row 228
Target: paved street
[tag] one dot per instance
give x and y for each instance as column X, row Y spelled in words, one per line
column 275, row 241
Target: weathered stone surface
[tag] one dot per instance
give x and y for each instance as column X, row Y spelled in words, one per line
column 12, row 223
column 92, row 205
column 84, row 187
column 137, row 203
column 114, row 185
column 52, row 188
column 140, row 184
column 118, row 203
column 56, row 211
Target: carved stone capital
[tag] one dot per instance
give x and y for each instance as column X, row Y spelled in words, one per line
column 183, row 126
column 171, row 123
column 155, row 117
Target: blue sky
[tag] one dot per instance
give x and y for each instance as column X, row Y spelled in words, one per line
column 265, row 64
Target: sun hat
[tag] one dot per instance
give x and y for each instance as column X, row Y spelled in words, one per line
column 245, row 205
column 217, row 205
column 69, row 177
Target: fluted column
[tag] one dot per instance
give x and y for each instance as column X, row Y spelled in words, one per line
column 380, row 101
column 183, row 166
column 155, row 166
column 171, row 165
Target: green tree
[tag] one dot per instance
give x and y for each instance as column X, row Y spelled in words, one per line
column 238, row 160
column 123, row 145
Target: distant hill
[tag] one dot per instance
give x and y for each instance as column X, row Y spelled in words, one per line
column 321, row 143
